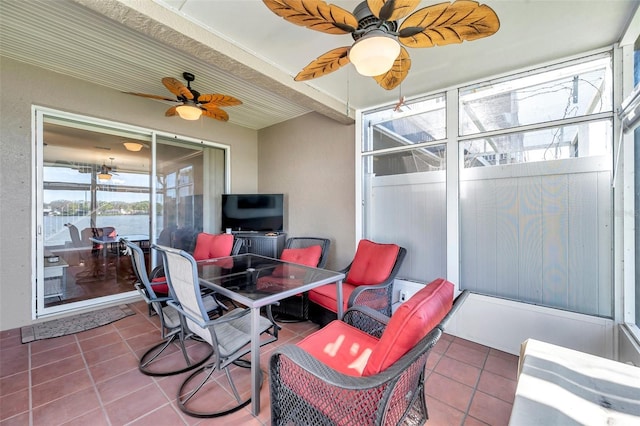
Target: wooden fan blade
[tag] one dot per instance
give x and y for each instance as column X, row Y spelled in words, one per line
column 314, row 14
column 144, row 95
column 177, row 88
column 217, row 99
column 216, row 113
column 329, row 62
column 397, row 73
column 171, row 111
column 392, row 10
column 447, row 23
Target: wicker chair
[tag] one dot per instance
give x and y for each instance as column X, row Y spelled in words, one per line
column 156, row 361
column 296, row 308
column 323, row 381
column 229, row 335
column 369, row 282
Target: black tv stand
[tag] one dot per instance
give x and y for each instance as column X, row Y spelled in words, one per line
column 268, row 244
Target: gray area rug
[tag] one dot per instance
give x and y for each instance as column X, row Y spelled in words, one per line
column 74, row 324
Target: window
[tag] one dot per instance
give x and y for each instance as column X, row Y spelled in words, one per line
column 404, row 183
column 535, row 187
column 532, row 180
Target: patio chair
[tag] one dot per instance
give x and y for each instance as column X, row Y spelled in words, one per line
column 368, row 282
column 308, row 251
column 365, row 370
column 161, row 359
column 229, row 335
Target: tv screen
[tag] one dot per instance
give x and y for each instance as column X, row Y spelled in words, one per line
column 253, row 212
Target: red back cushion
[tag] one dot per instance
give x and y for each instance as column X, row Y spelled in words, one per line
column 372, row 263
column 210, row 246
column 411, row 322
column 308, row 256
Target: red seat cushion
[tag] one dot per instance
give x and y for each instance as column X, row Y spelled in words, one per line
column 160, row 286
column 411, row 322
column 372, row 263
column 210, row 246
column 326, row 296
column 308, row 256
column 340, row 346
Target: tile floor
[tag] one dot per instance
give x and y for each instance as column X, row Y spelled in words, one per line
column 92, row 378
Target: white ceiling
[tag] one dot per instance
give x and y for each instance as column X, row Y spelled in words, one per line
column 240, row 48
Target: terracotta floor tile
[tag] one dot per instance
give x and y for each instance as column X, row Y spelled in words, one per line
column 21, row 419
column 101, row 341
column 66, row 408
column 94, row 418
column 58, row 388
column 14, row 360
column 449, row 391
column 112, row 367
column 498, row 386
column 441, row 414
column 14, row 383
column 165, row 415
column 93, row 378
column 503, row 366
column 14, row 403
column 490, row 409
column 468, row 355
column 48, row 344
column 106, row 353
column 122, row 384
column 458, row 371
column 55, row 354
column 132, row 406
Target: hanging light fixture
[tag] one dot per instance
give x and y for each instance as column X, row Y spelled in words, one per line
column 374, row 53
column 104, row 176
column 189, row 111
column 133, row 146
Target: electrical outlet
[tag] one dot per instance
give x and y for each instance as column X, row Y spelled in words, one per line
column 403, row 296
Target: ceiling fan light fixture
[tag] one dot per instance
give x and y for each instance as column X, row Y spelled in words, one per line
column 104, row 176
column 189, row 111
column 132, row 146
column 374, row 53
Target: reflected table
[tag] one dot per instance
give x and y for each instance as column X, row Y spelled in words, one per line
column 256, row 281
column 107, row 242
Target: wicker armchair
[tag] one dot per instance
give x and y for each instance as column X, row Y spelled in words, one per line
column 313, row 384
column 369, row 282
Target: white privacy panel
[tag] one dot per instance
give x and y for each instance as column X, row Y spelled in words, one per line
column 542, row 239
column 410, row 210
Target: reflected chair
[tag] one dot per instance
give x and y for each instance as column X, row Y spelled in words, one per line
column 81, row 248
column 308, row 251
column 367, row 369
column 161, row 359
column 229, row 335
column 368, row 282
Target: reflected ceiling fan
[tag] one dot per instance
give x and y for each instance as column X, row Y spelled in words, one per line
column 106, row 172
column 190, row 104
column 378, row 34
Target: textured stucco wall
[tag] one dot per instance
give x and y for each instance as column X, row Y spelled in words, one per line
column 311, row 159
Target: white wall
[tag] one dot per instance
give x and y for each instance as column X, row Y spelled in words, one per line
column 311, row 160
column 22, row 86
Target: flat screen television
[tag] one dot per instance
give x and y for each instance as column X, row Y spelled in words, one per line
column 253, row 212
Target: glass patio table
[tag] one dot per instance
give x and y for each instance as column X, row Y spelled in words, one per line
column 245, row 278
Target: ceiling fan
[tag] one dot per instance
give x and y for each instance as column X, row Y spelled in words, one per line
column 106, row 172
column 190, row 104
column 375, row 27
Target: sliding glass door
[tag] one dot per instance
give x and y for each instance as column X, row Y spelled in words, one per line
column 97, row 182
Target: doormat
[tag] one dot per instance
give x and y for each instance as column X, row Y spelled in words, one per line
column 74, row 324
